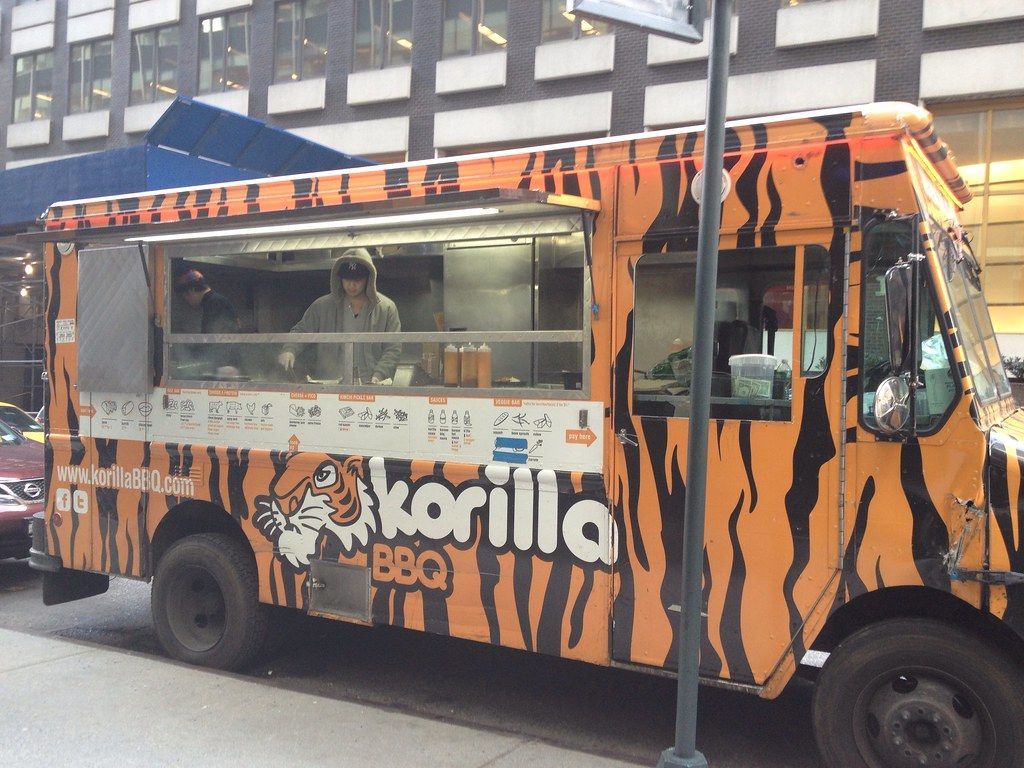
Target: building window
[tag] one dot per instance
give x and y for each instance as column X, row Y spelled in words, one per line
column 224, row 52
column 474, row 26
column 33, row 87
column 558, row 24
column 300, row 40
column 989, row 149
column 89, row 80
column 383, row 34
column 154, row 65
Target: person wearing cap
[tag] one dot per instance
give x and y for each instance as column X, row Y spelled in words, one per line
column 218, row 316
column 354, row 305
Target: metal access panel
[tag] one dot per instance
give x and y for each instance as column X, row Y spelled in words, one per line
column 114, row 328
column 338, row 589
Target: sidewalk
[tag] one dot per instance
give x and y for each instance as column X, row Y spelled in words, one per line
column 65, row 703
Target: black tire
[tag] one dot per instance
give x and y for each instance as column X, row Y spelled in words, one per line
column 205, row 605
column 917, row 692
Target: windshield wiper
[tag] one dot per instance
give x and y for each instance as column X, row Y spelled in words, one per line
column 972, row 260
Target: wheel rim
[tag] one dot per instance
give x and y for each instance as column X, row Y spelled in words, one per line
column 922, row 718
column 195, row 610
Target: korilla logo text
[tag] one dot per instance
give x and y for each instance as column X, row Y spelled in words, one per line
column 348, row 505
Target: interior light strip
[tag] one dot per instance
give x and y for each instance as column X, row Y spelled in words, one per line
column 319, row 226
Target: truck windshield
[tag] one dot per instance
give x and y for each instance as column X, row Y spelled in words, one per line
column 970, row 312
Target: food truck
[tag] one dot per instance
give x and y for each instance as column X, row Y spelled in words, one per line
column 516, row 477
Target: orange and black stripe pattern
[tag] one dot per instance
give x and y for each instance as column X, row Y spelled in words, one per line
column 804, row 516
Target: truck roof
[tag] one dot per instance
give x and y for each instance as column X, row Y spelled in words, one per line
column 466, row 172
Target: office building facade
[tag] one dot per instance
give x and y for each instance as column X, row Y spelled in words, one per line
column 413, row 79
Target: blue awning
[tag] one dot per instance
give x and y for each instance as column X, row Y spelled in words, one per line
column 190, row 145
column 200, row 130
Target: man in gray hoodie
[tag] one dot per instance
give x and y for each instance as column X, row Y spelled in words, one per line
column 353, row 306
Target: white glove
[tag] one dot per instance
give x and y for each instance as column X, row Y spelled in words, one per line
column 286, row 360
column 384, row 382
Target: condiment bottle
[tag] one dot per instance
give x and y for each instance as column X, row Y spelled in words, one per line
column 467, row 364
column 429, row 358
column 451, row 366
column 483, row 366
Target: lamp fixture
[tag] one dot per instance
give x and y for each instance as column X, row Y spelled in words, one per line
column 318, row 226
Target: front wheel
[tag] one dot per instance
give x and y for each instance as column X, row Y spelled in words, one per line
column 908, row 693
column 205, row 605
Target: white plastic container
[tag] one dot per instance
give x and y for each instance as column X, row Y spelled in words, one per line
column 752, row 375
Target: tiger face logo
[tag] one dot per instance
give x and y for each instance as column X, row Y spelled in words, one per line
column 300, row 510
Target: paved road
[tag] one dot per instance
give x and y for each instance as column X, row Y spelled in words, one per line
column 622, row 715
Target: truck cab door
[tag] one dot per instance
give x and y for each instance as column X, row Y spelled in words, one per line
column 773, row 468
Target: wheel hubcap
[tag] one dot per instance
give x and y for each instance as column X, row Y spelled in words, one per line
column 196, row 609
column 916, row 719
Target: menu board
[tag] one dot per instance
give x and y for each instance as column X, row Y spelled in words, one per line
column 553, row 434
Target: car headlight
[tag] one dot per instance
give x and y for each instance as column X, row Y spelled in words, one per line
column 11, row 502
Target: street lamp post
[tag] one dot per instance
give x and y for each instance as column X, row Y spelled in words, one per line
column 685, row 20
column 684, row 753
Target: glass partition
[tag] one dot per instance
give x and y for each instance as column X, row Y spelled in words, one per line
column 766, row 327
column 498, row 314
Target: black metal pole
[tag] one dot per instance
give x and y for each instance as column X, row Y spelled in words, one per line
column 684, row 754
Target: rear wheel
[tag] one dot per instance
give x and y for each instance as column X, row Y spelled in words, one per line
column 205, row 605
column 911, row 693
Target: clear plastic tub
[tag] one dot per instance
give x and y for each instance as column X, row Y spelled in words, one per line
column 752, row 375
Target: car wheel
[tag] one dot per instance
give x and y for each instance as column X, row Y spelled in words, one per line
column 908, row 692
column 205, row 605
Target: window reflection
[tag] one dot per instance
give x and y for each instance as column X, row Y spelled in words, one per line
column 383, row 34
column 559, row 24
column 474, row 26
column 154, row 65
column 33, row 87
column 989, row 148
column 89, row 82
column 300, row 40
column 757, row 344
column 224, row 52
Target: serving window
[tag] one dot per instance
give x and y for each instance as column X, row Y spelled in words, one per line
column 497, row 309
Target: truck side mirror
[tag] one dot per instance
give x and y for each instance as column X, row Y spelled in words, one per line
column 897, row 314
column 892, row 405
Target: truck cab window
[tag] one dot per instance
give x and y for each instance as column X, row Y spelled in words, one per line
column 885, row 245
column 756, row 339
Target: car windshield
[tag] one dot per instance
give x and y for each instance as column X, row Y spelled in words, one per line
column 18, row 419
column 962, row 274
column 9, row 436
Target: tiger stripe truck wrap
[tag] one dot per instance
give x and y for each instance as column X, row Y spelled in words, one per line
column 816, row 524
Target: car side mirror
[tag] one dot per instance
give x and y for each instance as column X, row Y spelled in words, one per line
column 892, row 405
column 898, row 287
